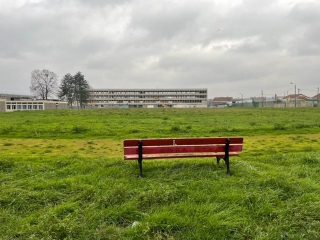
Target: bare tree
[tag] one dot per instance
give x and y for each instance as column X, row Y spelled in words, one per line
column 43, row 83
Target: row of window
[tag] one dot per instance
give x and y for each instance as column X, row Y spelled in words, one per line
column 147, row 97
column 23, row 103
column 149, row 102
column 148, row 92
column 25, row 107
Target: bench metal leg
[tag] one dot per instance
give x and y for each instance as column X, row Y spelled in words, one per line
column 218, row 160
column 227, row 165
column 140, row 168
column 140, row 158
column 226, row 156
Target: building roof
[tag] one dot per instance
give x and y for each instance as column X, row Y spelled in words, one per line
column 259, row 99
column 222, row 99
column 297, row 96
column 316, row 97
column 147, row 89
column 15, row 96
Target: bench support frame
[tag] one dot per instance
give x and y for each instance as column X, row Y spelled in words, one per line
column 226, row 156
column 140, row 158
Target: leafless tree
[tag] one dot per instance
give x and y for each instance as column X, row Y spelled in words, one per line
column 43, row 83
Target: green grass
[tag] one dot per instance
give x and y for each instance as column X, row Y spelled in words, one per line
column 119, row 124
column 62, row 176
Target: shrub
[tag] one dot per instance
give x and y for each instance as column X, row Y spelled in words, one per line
column 175, row 129
column 79, row 129
column 279, row 126
column 134, row 131
column 7, row 144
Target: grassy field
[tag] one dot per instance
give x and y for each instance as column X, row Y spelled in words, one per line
column 62, row 176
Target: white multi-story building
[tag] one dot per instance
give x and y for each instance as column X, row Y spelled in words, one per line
column 148, row 98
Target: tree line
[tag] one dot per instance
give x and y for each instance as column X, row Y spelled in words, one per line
column 72, row 88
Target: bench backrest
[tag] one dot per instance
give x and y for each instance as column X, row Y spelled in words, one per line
column 181, row 148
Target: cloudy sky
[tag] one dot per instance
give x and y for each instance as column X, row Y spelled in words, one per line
column 231, row 47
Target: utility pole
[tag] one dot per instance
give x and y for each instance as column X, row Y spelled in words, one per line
column 295, row 94
column 286, row 98
column 318, row 98
column 262, row 98
column 241, row 99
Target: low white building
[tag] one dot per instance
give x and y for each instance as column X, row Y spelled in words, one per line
column 36, row 105
column 11, row 103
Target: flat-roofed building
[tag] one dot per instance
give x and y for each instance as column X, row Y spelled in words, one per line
column 35, row 105
column 148, row 98
column 12, row 97
column 13, row 102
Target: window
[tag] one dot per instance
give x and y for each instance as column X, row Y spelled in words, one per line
column 40, row 107
column 35, row 107
column 8, row 106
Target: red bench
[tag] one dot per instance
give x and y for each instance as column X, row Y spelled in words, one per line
column 220, row 148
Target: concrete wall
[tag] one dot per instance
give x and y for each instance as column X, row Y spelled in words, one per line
column 55, row 105
column 2, row 105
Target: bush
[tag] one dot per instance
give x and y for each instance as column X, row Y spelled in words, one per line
column 78, row 129
column 279, row 126
column 175, row 129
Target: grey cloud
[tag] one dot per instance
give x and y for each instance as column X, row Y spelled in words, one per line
column 122, row 43
column 166, row 20
column 307, row 12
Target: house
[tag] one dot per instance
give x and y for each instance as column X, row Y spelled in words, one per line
column 297, row 97
column 298, row 100
column 316, row 100
column 220, row 102
column 316, row 97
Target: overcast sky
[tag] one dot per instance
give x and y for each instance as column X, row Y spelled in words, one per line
column 231, row 47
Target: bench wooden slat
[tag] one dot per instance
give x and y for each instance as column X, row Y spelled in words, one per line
column 179, row 155
column 181, row 149
column 188, row 141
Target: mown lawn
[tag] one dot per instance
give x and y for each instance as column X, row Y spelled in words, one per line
column 62, row 176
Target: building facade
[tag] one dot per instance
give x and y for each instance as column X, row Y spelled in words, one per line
column 220, row 102
column 148, row 98
column 35, row 105
column 2, row 105
column 11, row 103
